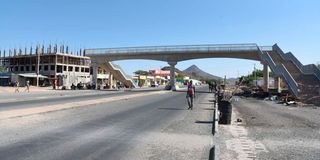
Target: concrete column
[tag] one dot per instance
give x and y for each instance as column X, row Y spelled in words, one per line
column 172, row 75
column 277, row 82
column 55, row 72
column 110, row 80
column 266, row 77
column 95, row 74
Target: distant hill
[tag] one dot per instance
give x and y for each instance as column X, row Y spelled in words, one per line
column 232, row 81
column 197, row 73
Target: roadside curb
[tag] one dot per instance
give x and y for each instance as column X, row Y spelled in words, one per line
column 214, row 154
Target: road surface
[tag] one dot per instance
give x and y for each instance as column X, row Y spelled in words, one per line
column 100, row 125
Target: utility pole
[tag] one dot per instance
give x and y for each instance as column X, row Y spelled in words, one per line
column 238, row 74
column 255, row 74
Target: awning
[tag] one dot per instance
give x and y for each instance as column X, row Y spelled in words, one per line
column 32, row 75
column 4, row 77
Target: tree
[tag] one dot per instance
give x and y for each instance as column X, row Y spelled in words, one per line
column 179, row 76
column 318, row 65
column 3, row 69
column 214, row 81
column 258, row 72
column 141, row 72
column 248, row 80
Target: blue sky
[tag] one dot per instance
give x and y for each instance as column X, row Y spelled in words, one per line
column 293, row 24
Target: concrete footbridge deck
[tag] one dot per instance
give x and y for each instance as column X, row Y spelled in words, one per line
column 177, row 53
column 284, row 65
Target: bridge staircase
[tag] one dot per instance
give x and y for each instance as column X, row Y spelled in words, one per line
column 119, row 74
column 302, row 80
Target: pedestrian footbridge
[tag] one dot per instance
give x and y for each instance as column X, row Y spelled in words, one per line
column 302, row 80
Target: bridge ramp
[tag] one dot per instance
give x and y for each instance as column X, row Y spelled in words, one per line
column 302, row 80
column 119, row 74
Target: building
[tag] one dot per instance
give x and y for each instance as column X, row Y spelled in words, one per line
column 143, row 80
column 56, row 68
column 161, row 77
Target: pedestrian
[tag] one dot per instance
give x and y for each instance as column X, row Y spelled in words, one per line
column 214, row 87
column 17, row 87
column 210, row 87
column 190, row 94
column 28, row 86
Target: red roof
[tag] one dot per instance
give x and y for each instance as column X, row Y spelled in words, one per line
column 159, row 72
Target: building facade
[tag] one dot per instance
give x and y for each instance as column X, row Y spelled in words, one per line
column 56, row 68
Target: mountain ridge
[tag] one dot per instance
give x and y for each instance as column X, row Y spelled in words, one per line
column 195, row 71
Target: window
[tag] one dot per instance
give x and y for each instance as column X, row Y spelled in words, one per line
column 27, row 68
column 59, row 69
column 33, row 60
column 66, row 60
column 59, row 59
column 45, row 59
column 46, row 67
column 21, row 61
column 22, row 68
column 70, row 68
column 87, row 70
column 33, row 68
column 64, row 68
column 77, row 69
column 28, row 60
column 82, row 69
column 52, row 68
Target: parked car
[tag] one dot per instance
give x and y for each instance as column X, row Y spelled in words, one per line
column 154, row 85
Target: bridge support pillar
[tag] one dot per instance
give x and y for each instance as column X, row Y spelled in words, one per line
column 110, row 80
column 265, row 77
column 95, row 74
column 172, row 75
column 277, row 83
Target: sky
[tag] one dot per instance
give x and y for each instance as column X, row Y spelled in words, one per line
column 293, row 24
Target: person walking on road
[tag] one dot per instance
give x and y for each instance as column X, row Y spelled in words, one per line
column 17, row 87
column 28, row 87
column 190, row 94
column 210, row 87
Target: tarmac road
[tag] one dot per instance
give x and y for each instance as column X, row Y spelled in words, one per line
column 26, row 100
column 152, row 126
column 271, row 131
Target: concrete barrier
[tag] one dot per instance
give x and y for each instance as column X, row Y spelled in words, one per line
column 226, row 112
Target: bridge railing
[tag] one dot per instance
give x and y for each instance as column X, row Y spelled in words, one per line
column 282, row 71
column 121, row 70
column 266, row 48
column 305, row 69
column 175, row 49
